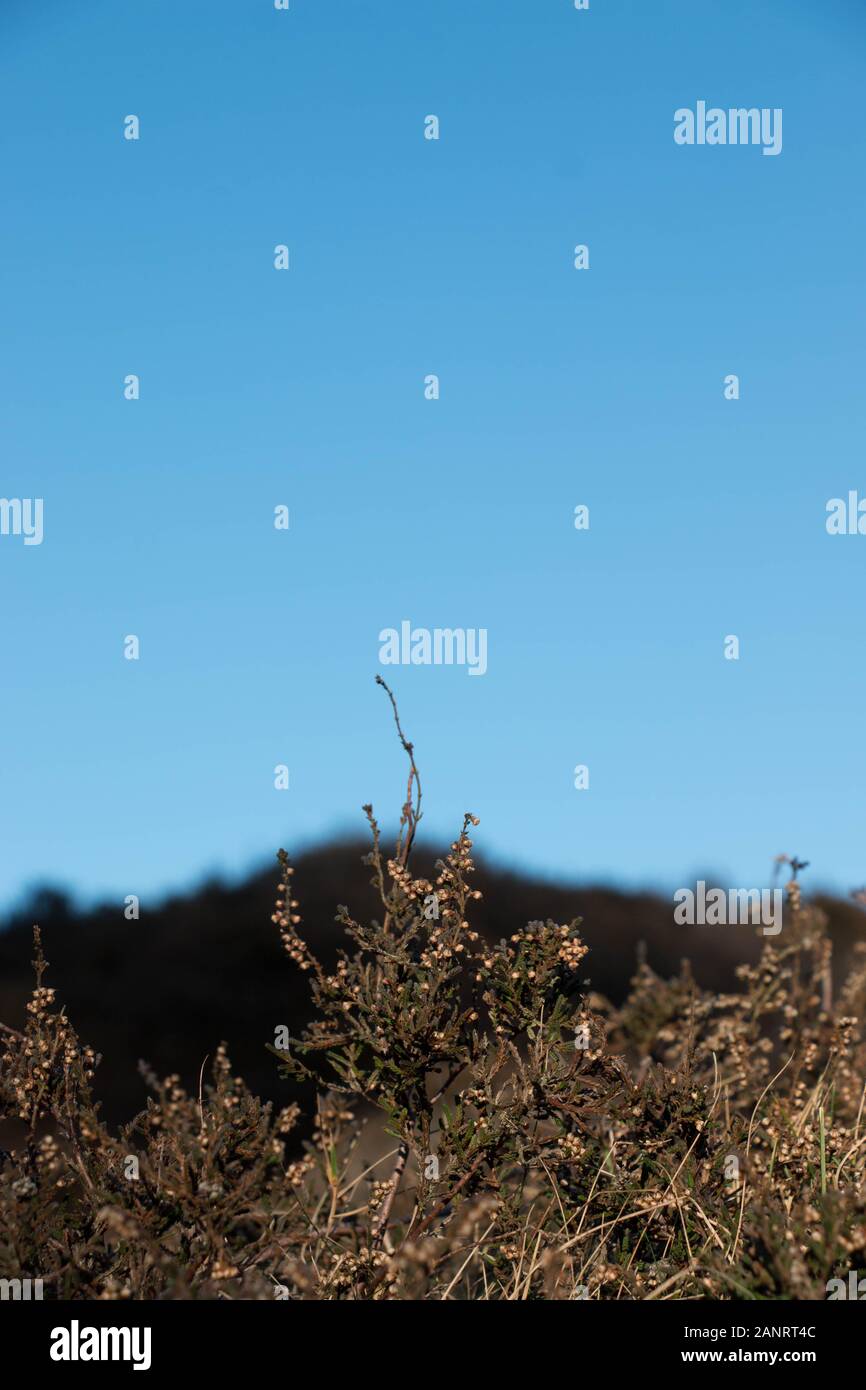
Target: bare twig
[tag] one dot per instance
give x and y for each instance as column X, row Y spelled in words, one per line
column 396, row 1176
column 411, row 813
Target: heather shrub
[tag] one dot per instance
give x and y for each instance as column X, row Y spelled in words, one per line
column 486, row 1127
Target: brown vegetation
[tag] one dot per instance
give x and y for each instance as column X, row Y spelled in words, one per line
column 544, row 1142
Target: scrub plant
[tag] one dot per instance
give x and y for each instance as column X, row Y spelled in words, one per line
column 484, row 1126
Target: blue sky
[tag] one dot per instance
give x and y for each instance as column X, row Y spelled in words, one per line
column 305, row 388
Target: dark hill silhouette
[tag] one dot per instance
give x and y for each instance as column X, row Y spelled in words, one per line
column 208, row 966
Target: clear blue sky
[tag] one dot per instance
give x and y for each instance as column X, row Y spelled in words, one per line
column 559, row 387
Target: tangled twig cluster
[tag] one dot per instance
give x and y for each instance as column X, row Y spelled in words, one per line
column 485, row 1127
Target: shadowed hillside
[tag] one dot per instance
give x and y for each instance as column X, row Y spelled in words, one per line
column 208, row 966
